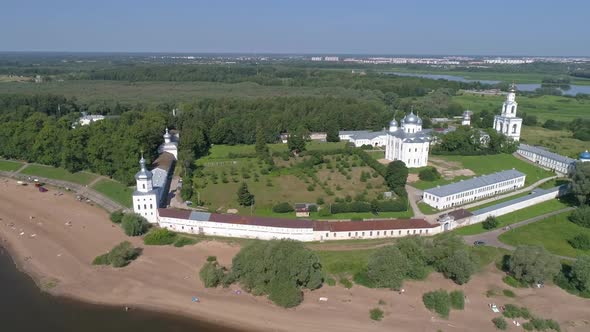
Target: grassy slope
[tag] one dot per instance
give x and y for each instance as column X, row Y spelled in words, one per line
column 544, row 107
column 552, row 233
column 486, row 165
column 115, row 191
column 559, row 141
column 9, row 165
column 516, row 216
column 59, row 174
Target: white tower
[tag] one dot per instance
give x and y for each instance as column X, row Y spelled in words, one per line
column 466, row 120
column 507, row 123
column 167, row 137
column 145, row 197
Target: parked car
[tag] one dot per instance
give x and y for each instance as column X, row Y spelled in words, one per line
column 479, row 243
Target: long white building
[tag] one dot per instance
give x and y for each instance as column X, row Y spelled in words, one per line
column 265, row 228
column 547, row 159
column 458, row 193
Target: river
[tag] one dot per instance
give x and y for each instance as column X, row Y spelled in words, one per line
column 572, row 91
column 24, row 308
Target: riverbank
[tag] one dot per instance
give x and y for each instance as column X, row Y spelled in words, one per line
column 34, row 226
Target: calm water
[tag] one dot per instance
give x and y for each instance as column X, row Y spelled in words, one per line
column 23, row 308
column 572, row 91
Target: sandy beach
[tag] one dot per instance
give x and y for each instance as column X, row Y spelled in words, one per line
column 54, row 238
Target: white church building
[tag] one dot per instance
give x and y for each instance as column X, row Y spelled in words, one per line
column 407, row 142
column 508, row 123
column 152, row 186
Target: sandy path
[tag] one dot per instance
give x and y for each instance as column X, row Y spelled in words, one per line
column 165, row 278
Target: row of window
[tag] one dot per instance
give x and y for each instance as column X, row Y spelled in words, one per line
column 144, row 206
column 356, row 234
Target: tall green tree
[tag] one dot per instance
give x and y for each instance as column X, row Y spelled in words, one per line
column 396, row 176
column 261, row 147
column 533, row 264
column 581, row 273
column 332, row 132
column 296, row 140
column 245, row 198
column 459, row 267
column 581, row 182
column 387, row 267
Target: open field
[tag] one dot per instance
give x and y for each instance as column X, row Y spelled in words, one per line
column 544, row 107
column 59, row 174
column 552, row 233
column 9, row 165
column 170, row 92
column 482, row 165
column 115, row 191
column 558, row 141
column 516, row 216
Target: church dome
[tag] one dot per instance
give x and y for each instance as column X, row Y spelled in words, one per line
column 585, row 155
column 143, row 174
column 167, row 134
column 393, row 123
column 412, row 119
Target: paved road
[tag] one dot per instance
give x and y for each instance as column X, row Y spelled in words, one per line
column 491, row 238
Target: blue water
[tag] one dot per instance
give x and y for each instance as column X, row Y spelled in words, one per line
column 24, row 308
column 572, row 91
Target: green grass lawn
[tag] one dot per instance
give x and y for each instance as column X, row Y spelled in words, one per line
column 553, row 233
column 483, row 165
column 9, row 165
column 345, row 262
column 427, row 209
column 59, row 174
column 115, row 191
column 544, row 107
column 486, row 255
column 376, row 154
column 516, row 216
column 558, row 141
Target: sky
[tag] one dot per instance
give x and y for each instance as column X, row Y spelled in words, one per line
column 441, row 27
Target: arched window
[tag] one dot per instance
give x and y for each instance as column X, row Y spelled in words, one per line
column 514, row 128
column 513, row 109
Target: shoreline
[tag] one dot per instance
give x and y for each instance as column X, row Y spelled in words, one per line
column 54, row 237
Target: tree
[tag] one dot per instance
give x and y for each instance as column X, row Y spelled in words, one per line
column 211, row 274
column 387, row 267
column 580, row 241
column 533, row 264
column 414, row 250
column 332, row 134
column 261, row 148
column 134, row 224
column 119, row 256
column 117, row 216
column 459, row 266
column 581, row 182
column 581, row 216
column 429, row 174
column 245, row 198
column 490, row 223
column 279, row 269
column 296, row 140
column 396, row 175
column 581, row 273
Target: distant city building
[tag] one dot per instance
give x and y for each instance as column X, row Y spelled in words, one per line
column 316, row 58
column 332, row 58
column 458, row 193
column 508, row 123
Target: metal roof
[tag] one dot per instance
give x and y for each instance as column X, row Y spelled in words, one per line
column 545, row 153
column 535, row 193
column 474, row 183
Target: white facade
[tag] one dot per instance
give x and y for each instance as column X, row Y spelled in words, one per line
column 507, row 123
column 408, row 143
column 458, row 193
column 88, row 119
column 170, row 144
column 364, row 137
column 466, row 118
column 547, row 159
column 145, row 197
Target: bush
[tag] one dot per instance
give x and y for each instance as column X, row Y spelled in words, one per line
column 182, row 241
column 490, row 223
column 121, row 255
column 528, row 326
column 437, row 301
column 581, row 216
column 330, row 281
column 117, row 216
column 532, row 264
column 457, row 299
column 511, row 281
column 324, row 212
column 313, row 208
column 284, row 294
column 581, row 241
column 319, row 201
column 134, row 224
column 211, row 274
column 211, row 259
column 159, row 237
column 346, row 283
column 459, row 266
column 513, row 311
column 376, row 314
column 508, row 293
column 283, row 207
column 500, row 323
column 429, row 174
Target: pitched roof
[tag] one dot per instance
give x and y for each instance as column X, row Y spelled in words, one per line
column 371, row 225
column 533, row 194
column 174, row 213
column 545, row 153
column 260, row 221
column 474, row 183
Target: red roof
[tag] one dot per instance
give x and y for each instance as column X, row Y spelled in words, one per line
column 260, row 221
column 174, row 213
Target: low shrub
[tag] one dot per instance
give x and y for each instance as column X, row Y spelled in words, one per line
column 182, row 241
column 283, row 207
column 437, row 301
column 101, row 260
column 376, row 314
column 511, row 281
column 346, row 283
column 159, row 237
column 121, row 255
column 330, row 281
column 211, row 274
column 457, row 299
column 117, row 216
column 581, row 241
column 211, row 259
column 500, row 323
column 513, row 311
column 490, row 223
column 134, row 224
column 508, row 293
column 429, row 174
